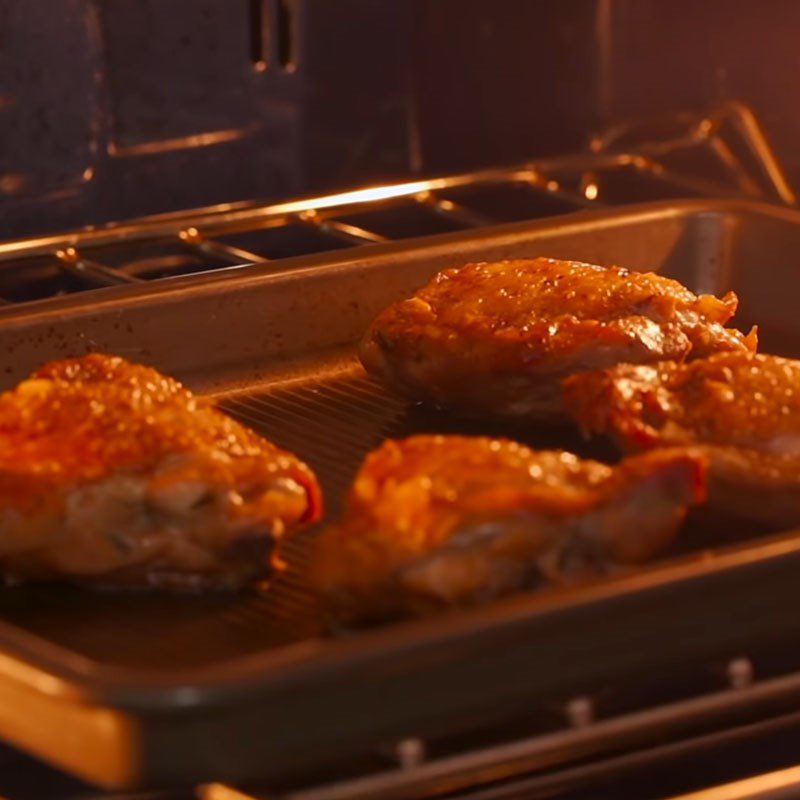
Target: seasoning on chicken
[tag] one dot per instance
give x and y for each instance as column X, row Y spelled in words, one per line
column 498, row 338
column 113, row 474
column 742, row 409
column 437, row 521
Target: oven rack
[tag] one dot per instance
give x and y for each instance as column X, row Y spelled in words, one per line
column 507, row 769
column 724, row 153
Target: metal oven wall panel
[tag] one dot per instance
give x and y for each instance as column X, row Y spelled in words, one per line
column 659, row 56
column 50, row 106
column 121, row 108
column 503, row 82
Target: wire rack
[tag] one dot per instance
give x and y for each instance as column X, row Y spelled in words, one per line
column 724, row 153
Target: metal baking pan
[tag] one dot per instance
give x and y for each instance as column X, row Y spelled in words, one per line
column 158, row 690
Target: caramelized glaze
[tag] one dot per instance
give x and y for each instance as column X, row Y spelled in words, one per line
column 451, row 520
column 174, row 485
column 498, row 337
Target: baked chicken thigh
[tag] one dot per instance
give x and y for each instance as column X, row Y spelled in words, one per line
column 111, row 473
column 497, row 338
column 742, row 409
column 437, row 521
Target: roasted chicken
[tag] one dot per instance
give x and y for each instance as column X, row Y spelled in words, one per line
column 113, row 474
column 742, row 409
column 497, row 338
column 437, row 521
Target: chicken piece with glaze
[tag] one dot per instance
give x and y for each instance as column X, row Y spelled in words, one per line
column 497, row 338
column 742, row 409
column 441, row 521
column 113, row 474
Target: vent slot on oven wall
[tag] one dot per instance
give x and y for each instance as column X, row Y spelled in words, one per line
column 273, row 35
column 285, row 32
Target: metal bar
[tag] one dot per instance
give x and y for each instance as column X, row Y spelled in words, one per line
column 654, row 149
column 753, row 134
column 91, row 272
column 553, row 188
column 603, row 141
column 237, row 254
column 454, row 211
column 728, row 159
column 352, row 234
column 657, row 172
column 196, row 241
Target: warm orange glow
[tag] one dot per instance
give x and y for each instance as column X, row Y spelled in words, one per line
column 180, row 143
column 359, row 196
column 218, row 791
column 750, row 787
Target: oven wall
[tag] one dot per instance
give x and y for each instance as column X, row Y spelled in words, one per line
column 517, row 78
column 113, row 108
column 673, row 54
column 503, row 81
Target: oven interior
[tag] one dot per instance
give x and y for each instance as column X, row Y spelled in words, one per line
column 157, row 160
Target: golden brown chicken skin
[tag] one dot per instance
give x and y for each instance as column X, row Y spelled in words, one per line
column 438, row 521
column 497, row 338
column 111, row 473
column 742, row 408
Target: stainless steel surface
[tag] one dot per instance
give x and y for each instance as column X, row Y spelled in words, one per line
column 730, row 157
column 152, row 687
column 489, row 766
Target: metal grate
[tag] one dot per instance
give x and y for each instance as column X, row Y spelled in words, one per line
column 724, row 153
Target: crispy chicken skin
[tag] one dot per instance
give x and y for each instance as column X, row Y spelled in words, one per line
column 498, row 338
column 742, row 408
column 438, row 521
column 111, row 473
